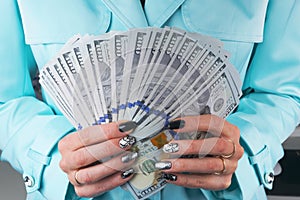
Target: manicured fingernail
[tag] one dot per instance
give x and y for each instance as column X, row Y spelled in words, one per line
column 127, row 173
column 171, row 148
column 127, row 126
column 169, row 177
column 127, row 141
column 129, row 157
column 163, row 165
column 177, row 124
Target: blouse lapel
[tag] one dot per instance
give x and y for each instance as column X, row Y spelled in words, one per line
column 131, row 13
column 159, row 11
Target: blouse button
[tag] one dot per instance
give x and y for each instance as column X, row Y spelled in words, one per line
column 269, row 178
column 28, row 180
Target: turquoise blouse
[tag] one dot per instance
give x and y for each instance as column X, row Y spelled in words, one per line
column 262, row 36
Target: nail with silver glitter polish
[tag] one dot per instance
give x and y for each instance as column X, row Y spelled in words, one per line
column 127, row 141
column 163, row 165
column 169, row 177
column 129, row 157
column 171, row 148
column 127, row 173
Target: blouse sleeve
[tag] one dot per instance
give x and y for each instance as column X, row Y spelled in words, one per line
column 29, row 129
column 269, row 110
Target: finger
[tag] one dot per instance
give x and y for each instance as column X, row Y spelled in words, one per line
column 206, row 165
column 205, row 181
column 97, row 172
column 96, row 134
column 209, row 123
column 211, row 146
column 106, row 184
column 87, row 155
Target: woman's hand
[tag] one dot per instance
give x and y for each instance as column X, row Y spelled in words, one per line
column 96, row 159
column 217, row 155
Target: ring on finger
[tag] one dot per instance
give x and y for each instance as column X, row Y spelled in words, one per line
column 76, row 178
column 233, row 150
column 224, row 166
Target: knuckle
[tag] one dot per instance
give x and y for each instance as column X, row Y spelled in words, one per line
column 234, row 166
column 78, row 191
column 63, row 165
column 225, row 183
column 62, row 145
column 88, row 192
column 81, row 192
column 79, row 158
column 236, row 130
column 240, row 151
column 70, row 177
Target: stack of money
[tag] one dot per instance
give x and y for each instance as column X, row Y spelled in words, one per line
column 148, row 75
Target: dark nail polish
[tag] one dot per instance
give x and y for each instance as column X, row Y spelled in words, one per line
column 127, row 141
column 129, row 157
column 177, row 124
column 127, row 173
column 169, row 177
column 127, row 126
column 163, row 165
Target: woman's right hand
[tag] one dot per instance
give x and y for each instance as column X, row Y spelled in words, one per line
column 95, row 158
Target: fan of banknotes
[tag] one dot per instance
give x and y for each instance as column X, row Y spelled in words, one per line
column 148, row 75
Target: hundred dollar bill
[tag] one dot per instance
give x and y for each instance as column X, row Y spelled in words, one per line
column 103, row 69
column 144, row 66
column 138, row 41
column 85, row 72
column 152, row 65
column 118, row 49
column 89, row 60
column 79, row 84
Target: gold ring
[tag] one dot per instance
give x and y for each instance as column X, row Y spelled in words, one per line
column 233, row 151
column 224, row 166
column 76, row 178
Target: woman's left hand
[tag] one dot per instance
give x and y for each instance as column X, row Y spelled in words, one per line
column 217, row 156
